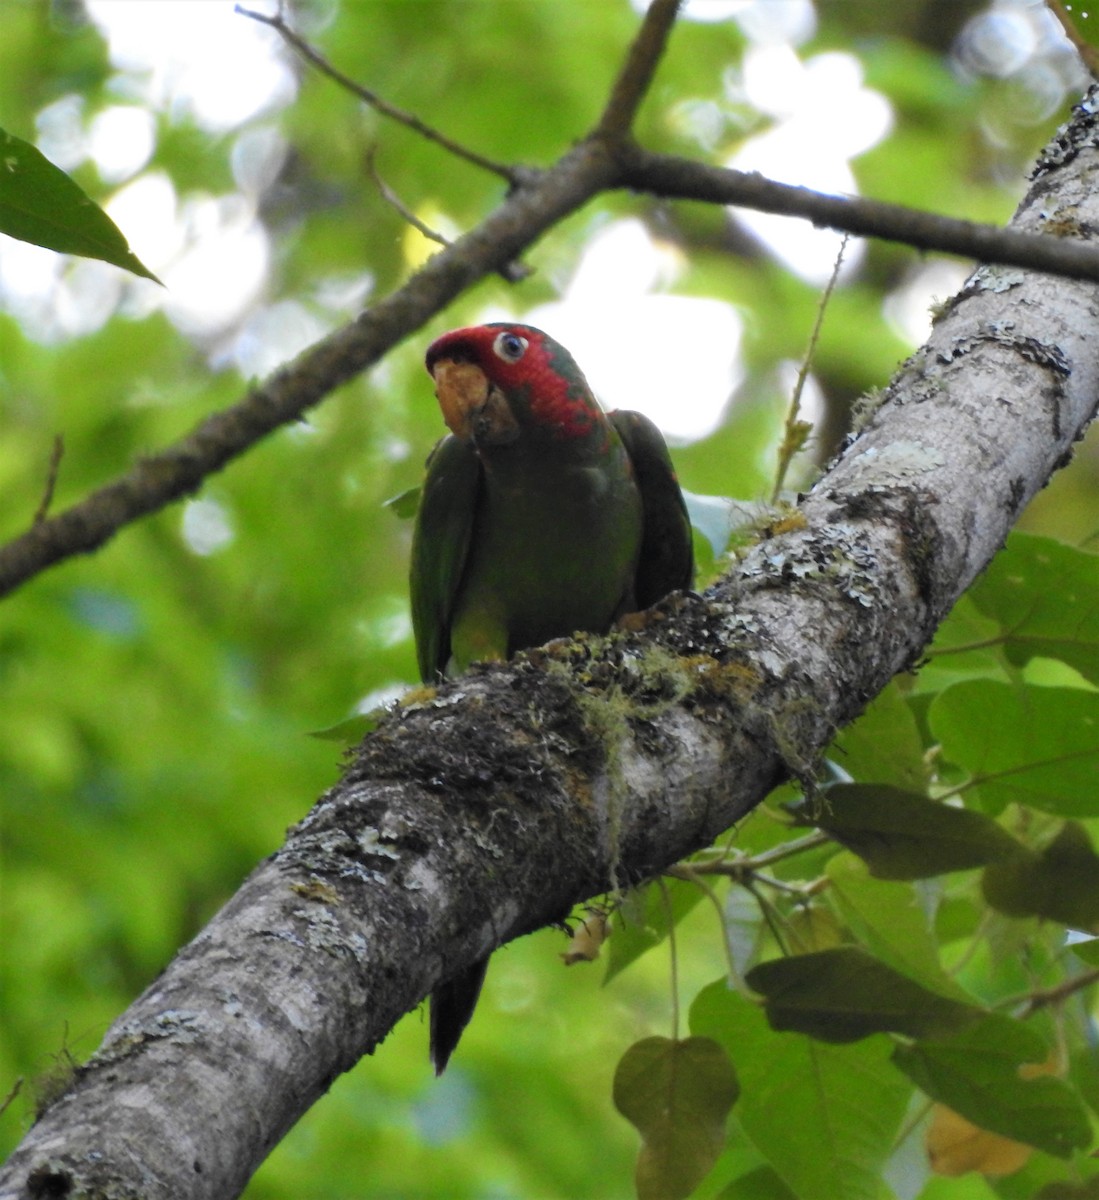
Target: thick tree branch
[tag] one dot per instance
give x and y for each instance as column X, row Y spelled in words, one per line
column 470, row 819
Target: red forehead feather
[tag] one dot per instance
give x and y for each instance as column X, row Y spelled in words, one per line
column 558, row 394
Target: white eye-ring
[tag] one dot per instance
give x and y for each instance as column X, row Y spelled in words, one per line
column 510, row 346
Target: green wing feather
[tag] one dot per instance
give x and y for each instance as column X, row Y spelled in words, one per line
column 440, row 544
column 666, row 561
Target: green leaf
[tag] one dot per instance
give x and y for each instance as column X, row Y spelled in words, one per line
column 39, row 203
column 891, row 920
column 967, row 645
column 1087, row 951
column 825, row 1117
column 1060, row 882
column 678, row 1095
column 884, row 744
column 845, row 994
column 975, row 1071
column 763, row 1183
column 405, row 504
column 1045, row 596
column 902, row 835
column 646, row 917
column 1037, row 746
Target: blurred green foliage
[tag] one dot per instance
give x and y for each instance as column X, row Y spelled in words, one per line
column 158, row 696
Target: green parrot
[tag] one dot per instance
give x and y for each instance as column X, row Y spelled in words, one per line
column 540, row 516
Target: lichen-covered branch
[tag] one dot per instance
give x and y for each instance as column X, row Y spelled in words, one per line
column 489, row 808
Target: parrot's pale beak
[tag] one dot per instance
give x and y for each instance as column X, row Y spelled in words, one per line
column 473, row 409
column 462, row 390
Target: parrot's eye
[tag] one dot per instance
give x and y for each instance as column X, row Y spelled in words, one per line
column 510, row 347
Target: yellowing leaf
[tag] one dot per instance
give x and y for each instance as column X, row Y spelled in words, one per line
column 678, row 1095
column 956, row 1146
column 987, row 1073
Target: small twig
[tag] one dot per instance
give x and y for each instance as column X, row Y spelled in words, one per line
column 795, row 431
column 1055, row 995
column 750, row 864
column 669, row 913
column 1087, row 52
column 51, row 480
column 514, row 272
column 513, row 175
column 968, row 647
column 767, row 858
column 684, row 871
column 16, row 1088
column 637, row 72
column 769, row 914
column 394, row 201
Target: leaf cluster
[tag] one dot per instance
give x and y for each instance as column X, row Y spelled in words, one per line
column 936, row 948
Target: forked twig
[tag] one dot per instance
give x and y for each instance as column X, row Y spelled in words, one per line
column 51, row 480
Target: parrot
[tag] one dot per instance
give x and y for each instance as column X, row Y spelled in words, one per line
column 540, row 516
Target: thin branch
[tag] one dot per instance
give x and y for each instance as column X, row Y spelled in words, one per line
column 512, row 174
column 1057, row 995
column 395, row 202
column 796, row 431
column 749, row 865
column 670, row 177
column 633, row 81
column 13, row 1092
column 513, row 272
column 673, row 954
column 51, row 480
column 1086, row 51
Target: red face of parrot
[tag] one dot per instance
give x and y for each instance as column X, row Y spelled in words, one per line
column 492, row 381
